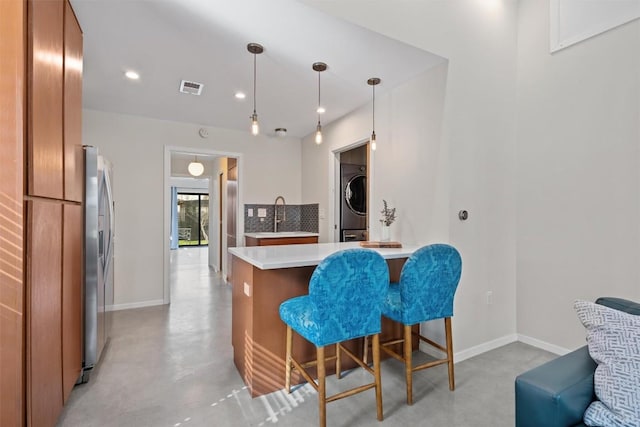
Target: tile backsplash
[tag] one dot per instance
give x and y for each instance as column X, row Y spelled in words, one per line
column 298, row 218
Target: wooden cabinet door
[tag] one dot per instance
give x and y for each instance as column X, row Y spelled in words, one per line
column 71, row 297
column 45, row 62
column 73, row 156
column 12, row 100
column 44, row 291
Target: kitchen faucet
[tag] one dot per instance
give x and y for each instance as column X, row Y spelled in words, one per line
column 275, row 213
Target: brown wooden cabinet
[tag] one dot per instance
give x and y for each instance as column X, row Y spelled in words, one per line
column 44, row 116
column 12, row 123
column 41, row 185
column 73, row 155
column 44, row 312
column 287, row 240
column 72, row 240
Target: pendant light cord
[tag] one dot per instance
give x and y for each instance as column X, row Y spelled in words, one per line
column 254, row 83
column 374, row 109
column 318, row 97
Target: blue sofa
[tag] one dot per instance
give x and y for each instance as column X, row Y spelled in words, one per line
column 557, row 393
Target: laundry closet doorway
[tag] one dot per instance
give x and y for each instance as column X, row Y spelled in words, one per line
column 352, row 205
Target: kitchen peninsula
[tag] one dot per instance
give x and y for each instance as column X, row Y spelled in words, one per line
column 265, row 276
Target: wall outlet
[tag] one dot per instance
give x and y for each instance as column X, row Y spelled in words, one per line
column 489, row 297
column 247, row 289
column 250, row 212
column 321, row 213
column 262, row 213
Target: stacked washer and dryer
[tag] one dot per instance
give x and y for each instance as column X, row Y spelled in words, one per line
column 353, row 209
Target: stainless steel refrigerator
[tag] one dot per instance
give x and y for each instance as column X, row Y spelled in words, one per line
column 98, row 256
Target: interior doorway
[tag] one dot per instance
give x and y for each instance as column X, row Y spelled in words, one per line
column 353, row 207
column 204, row 211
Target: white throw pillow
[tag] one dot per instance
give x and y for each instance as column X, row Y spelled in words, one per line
column 613, row 337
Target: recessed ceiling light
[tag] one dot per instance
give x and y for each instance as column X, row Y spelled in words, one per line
column 320, row 110
column 240, row 95
column 132, row 75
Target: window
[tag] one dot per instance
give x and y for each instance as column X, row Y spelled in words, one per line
column 193, row 219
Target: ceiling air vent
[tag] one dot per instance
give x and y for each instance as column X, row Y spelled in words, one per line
column 193, row 88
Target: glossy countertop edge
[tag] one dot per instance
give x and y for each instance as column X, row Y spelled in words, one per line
column 289, row 256
column 280, row 235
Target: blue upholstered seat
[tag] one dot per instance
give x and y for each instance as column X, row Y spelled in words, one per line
column 344, row 301
column 428, row 283
column 346, row 293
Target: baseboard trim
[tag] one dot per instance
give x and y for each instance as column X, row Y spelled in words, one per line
column 492, row 345
column 473, row 351
column 561, row 351
column 484, row 347
column 151, row 303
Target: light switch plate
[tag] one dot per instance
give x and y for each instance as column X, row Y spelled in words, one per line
column 262, row 212
column 321, row 213
column 247, row 289
column 250, row 212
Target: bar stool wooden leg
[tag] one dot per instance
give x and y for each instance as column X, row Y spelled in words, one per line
column 287, row 360
column 322, row 391
column 338, row 362
column 376, row 373
column 365, row 350
column 408, row 367
column 449, row 338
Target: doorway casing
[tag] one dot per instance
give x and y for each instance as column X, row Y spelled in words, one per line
column 168, row 150
column 334, row 163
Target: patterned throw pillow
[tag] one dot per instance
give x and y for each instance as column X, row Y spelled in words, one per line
column 614, row 343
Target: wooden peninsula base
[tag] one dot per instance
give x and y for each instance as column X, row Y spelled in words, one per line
column 258, row 334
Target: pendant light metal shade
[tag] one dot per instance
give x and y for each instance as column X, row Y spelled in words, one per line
column 255, row 49
column 195, row 168
column 373, row 82
column 319, row 67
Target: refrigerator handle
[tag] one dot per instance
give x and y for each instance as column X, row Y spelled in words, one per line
column 109, row 252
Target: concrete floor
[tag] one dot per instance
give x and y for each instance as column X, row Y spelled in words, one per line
column 173, row 366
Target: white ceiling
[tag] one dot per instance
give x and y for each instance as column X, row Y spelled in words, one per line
column 205, row 41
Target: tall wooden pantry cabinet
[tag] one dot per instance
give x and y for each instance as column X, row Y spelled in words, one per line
column 41, row 186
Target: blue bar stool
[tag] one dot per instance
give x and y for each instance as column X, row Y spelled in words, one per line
column 346, row 293
column 428, row 283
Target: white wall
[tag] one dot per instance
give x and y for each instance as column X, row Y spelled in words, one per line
column 476, row 172
column 578, row 174
column 135, row 146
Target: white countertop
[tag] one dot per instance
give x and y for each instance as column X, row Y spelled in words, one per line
column 286, row 256
column 280, row 234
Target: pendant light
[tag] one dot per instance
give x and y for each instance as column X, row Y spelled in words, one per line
column 255, row 49
column 195, row 168
column 373, row 82
column 319, row 67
